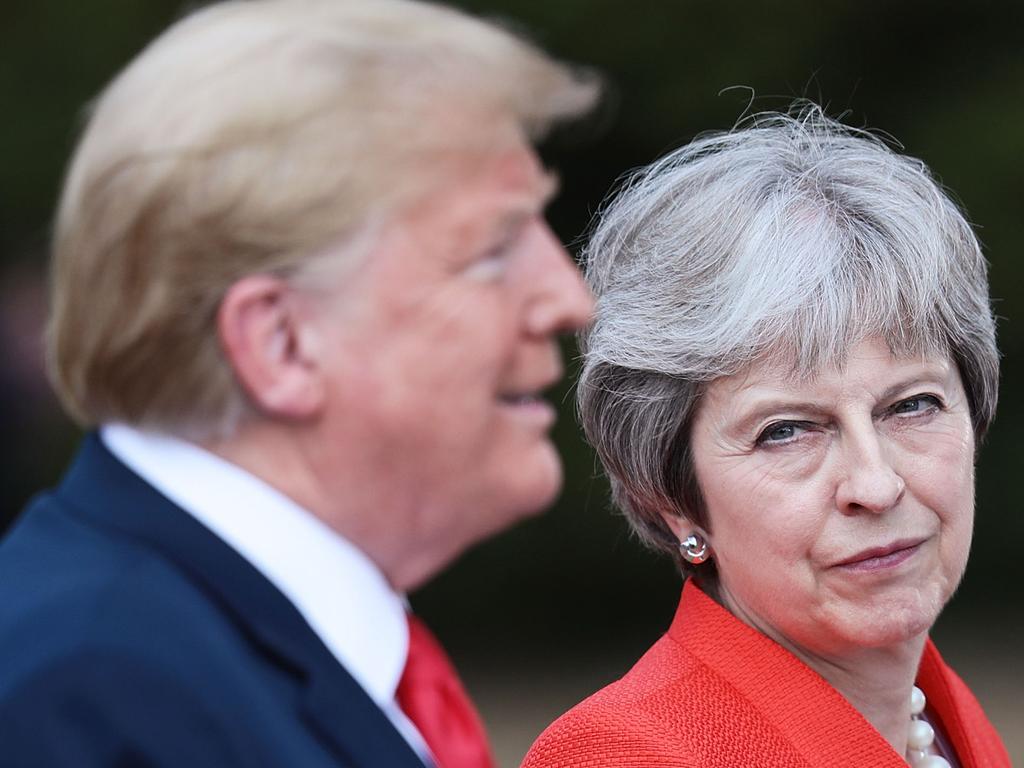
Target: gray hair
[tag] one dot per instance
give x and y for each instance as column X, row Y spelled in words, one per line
column 790, row 235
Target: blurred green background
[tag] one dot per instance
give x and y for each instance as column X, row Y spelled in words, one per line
column 544, row 614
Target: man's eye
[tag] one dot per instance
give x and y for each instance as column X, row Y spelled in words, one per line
column 491, row 265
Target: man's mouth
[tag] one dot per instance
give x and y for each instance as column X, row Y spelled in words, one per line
column 529, row 406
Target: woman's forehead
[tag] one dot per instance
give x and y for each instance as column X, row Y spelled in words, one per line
column 870, row 363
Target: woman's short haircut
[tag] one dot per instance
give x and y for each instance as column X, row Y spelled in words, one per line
column 247, row 138
column 791, row 235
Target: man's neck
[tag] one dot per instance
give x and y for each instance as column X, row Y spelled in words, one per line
column 349, row 501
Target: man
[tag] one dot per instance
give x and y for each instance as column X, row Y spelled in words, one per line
column 303, row 290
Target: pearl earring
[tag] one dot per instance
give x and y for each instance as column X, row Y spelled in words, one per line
column 694, row 549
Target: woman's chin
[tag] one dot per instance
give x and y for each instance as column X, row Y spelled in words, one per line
column 888, row 624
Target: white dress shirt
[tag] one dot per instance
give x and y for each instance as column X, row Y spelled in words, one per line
column 340, row 592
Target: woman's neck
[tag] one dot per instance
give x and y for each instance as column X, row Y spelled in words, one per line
column 876, row 681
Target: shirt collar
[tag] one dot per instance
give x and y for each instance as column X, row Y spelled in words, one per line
column 341, row 593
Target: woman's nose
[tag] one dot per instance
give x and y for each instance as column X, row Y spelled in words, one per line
column 869, row 480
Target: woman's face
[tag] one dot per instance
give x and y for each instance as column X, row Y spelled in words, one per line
column 840, row 507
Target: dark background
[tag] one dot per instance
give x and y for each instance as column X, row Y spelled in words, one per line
column 573, row 589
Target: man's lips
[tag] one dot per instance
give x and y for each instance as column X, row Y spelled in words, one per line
column 521, row 399
column 886, row 556
column 528, row 404
column 527, row 392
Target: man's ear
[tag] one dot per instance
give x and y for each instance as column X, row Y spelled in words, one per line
column 271, row 346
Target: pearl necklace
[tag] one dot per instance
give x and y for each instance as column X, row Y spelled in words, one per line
column 921, row 736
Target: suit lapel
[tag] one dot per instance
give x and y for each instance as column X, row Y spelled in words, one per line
column 368, row 738
column 106, row 493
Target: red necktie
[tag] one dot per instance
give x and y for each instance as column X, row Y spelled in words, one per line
column 431, row 695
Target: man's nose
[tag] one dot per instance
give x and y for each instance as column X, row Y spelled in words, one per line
column 561, row 300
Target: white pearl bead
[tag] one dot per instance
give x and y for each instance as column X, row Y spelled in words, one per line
column 916, row 701
column 934, row 761
column 921, row 735
column 915, row 756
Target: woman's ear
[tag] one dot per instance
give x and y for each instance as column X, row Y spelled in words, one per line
column 681, row 527
column 678, row 525
column 694, row 545
column 271, row 342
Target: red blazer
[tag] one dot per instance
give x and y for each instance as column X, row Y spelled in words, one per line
column 714, row 693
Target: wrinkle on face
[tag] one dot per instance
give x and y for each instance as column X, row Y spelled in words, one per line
column 782, row 514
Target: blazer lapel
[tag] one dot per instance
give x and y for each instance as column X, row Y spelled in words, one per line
column 108, row 494
column 974, row 739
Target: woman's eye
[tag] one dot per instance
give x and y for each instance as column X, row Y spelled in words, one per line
column 781, row 432
column 916, row 405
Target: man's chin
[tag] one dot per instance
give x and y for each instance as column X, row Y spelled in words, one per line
column 543, row 485
column 535, row 486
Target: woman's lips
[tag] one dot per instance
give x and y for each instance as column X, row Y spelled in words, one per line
column 881, row 558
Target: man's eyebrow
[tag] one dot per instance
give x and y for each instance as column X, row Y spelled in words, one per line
column 510, row 222
column 517, row 217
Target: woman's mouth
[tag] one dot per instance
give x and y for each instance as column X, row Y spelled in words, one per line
column 881, row 558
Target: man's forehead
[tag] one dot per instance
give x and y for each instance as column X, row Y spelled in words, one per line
column 512, row 181
column 529, row 196
column 516, row 168
column 520, row 203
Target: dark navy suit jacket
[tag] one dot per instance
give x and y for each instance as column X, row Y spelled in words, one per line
column 132, row 636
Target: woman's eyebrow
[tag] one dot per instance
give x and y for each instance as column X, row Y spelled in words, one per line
column 934, row 377
column 764, row 408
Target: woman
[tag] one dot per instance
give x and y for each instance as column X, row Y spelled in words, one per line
column 792, row 364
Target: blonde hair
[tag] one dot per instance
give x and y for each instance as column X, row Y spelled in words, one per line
column 245, row 139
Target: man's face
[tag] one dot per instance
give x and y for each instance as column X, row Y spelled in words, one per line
column 437, row 351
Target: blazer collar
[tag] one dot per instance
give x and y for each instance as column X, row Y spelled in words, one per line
column 824, row 725
column 105, row 492
column 974, row 739
column 338, row 589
